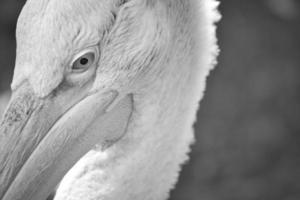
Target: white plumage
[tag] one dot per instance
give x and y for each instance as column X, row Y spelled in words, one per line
column 146, row 163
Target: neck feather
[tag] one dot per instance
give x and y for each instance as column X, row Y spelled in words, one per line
column 146, row 163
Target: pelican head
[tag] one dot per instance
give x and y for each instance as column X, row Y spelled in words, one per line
column 110, row 77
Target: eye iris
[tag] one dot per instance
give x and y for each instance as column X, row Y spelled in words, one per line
column 84, row 61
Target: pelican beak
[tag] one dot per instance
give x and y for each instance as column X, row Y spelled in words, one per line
column 41, row 139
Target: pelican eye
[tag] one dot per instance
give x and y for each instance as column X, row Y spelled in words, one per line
column 84, row 62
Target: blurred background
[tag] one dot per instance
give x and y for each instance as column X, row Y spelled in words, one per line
column 248, row 128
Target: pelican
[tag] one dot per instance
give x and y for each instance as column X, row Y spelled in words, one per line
column 104, row 97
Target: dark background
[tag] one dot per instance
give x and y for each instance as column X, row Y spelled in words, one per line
column 248, row 142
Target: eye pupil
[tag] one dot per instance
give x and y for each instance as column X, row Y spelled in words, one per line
column 84, row 61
